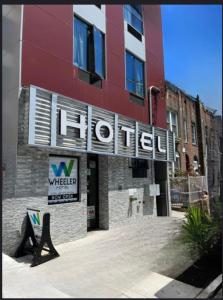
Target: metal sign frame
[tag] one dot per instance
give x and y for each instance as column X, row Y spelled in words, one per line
column 46, row 109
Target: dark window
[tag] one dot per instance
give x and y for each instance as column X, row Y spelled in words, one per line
column 139, row 168
column 89, row 50
column 133, row 16
column 134, row 32
column 187, row 162
column 134, row 75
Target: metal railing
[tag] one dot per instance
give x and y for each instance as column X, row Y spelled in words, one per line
column 187, row 190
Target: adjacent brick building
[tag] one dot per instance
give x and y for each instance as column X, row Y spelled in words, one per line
column 198, row 137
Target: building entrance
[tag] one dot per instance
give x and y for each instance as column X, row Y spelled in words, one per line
column 92, row 192
column 161, row 179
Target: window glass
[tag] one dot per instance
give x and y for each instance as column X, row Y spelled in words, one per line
column 133, row 16
column 80, row 43
column 134, row 75
column 194, row 136
column 177, row 162
column 172, row 122
column 89, row 50
column 130, row 72
column 168, row 117
column 99, row 52
column 174, row 129
column 195, row 163
column 138, row 8
column 174, row 118
column 139, row 76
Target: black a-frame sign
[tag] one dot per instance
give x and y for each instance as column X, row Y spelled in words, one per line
column 35, row 247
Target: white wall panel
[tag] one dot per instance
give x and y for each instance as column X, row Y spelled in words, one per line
column 92, row 14
column 134, row 45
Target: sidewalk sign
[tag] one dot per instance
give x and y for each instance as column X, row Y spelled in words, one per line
column 37, row 230
column 36, row 220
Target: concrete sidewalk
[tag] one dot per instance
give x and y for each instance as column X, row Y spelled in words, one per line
column 127, row 262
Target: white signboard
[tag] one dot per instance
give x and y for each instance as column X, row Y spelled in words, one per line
column 36, row 220
column 90, row 212
column 63, row 180
column 154, row 189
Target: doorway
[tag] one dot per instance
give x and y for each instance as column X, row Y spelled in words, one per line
column 92, row 193
column 161, row 179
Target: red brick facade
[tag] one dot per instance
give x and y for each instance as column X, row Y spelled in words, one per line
column 185, row 109
column 191, row 110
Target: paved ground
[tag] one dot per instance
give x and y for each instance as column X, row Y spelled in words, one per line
column 129, row 262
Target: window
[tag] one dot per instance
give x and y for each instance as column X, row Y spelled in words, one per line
column 195, row 164
column 187, row 162
column 185, row 132
column 172, row 122
column 194, row 133
column 139, row 168
column 134, row 75
column 177, row 162
column 133, row 16
column 89, row 49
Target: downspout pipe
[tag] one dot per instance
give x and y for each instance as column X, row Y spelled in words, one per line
column 153, row 90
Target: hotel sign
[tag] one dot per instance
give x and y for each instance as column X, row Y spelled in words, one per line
column 60, row 122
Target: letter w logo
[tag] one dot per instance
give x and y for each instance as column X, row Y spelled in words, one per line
column 63, row 167
column 36, row 218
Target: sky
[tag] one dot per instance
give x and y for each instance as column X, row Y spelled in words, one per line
column 192, row 41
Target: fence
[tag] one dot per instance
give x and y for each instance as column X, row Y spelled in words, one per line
column 185, row 191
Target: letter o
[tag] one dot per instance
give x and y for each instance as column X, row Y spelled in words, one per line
column 98, row 133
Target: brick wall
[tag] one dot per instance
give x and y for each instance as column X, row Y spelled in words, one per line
column 185, row 109
column 121, row 210
column 27, row 186
column 209, row 135
column 68, row 221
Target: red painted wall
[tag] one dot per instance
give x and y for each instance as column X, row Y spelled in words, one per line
column 47, row 58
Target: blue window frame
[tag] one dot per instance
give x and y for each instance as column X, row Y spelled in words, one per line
column 133, row 16
column 134, row 75
column 89, row 48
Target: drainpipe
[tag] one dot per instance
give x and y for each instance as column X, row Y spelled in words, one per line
column 153, row 90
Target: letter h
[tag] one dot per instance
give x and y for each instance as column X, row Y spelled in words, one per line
column 64, row 123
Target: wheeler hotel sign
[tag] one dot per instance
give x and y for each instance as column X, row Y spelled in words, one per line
column 63, row 123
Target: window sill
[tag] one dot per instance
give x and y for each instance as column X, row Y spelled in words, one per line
column 90, row 78
column 194, row 144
